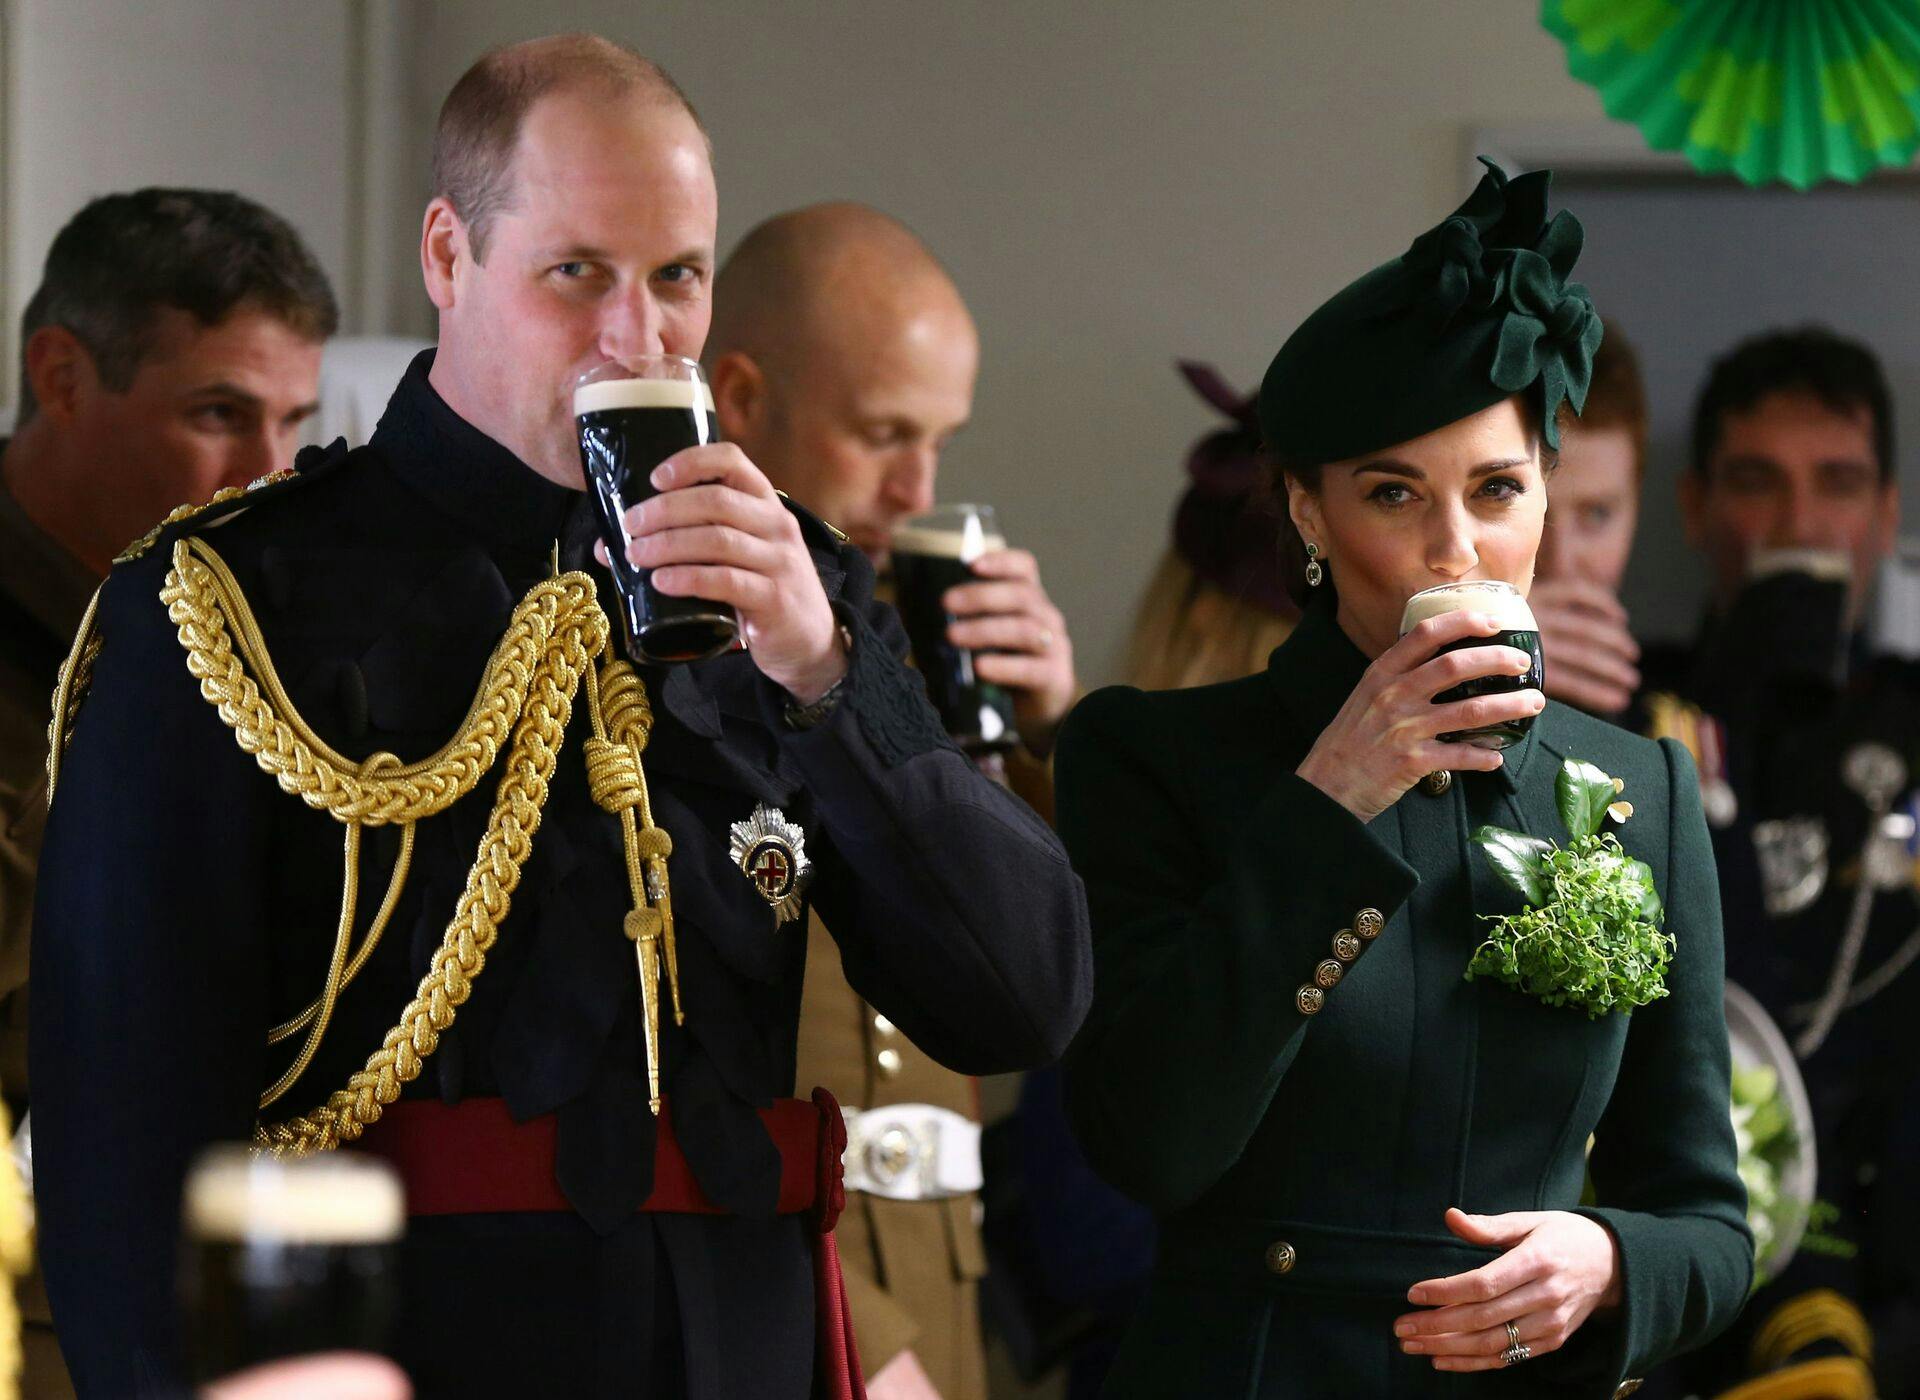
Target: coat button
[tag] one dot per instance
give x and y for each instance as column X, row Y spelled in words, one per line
column 882, row 1026
column 1328, row 973
column 889, row 1060
column 1436, row 784
column 1347, row 945
column 1280, row 1257
column 1368, row 923
column 1309, row 999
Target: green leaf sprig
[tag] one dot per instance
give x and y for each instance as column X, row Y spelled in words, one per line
column 1590, row 935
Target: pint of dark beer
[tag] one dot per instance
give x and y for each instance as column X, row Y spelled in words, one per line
column 930, row 555
column 284, row 1258
column 631, row 417
column 1502, row 602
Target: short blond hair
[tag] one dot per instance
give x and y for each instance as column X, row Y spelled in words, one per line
column 479, row 127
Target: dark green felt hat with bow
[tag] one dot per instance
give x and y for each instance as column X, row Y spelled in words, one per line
column 1478, row 309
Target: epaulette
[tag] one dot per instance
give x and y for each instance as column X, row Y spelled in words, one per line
column 816, row 532
column 310, row 464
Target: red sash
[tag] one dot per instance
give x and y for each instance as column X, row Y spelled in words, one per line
column 472, row 1158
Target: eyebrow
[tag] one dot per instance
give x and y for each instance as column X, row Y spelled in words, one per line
column 1757, row 459
column 587, row 252
column 1390, row 466
column 571, row 252
column 228, row 390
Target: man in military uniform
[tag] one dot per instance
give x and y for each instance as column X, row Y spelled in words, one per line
column 843, row 362
column 172, row 348
column 1808, row 747
column 608, row 1192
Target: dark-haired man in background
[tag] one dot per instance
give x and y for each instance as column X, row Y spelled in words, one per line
column 172, row 348
column 1809, row 745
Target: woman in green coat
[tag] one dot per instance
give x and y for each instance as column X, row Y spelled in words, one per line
column 1370, row 1168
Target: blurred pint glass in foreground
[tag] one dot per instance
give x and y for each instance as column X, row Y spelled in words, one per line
column 285, row 1257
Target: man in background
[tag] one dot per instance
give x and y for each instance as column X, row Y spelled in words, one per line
column 1592, row 511
column 1808, row 746
column 842, row 360
column 171, row 349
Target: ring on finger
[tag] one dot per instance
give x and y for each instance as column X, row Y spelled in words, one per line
column 1517, row 1350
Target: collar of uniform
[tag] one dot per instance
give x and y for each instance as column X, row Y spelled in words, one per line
column 505, row 503
column 1316, row 668
column 37, row 572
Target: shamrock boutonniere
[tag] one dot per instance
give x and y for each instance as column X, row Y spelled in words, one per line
column 1590, row 935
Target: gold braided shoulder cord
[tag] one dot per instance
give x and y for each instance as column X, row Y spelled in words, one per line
column 552, row 639
column 76, row 672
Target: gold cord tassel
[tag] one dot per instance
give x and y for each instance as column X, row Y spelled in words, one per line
column 526, row 697
column 525, row 700
column 622, row 721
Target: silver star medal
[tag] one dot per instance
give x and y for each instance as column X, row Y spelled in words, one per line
column 772, row 853
column 1793, row 862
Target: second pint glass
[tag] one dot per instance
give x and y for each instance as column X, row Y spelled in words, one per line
column 931, row 554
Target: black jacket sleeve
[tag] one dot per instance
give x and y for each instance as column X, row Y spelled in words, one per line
column 956, row 911
column 1198, row 958
column 148, row 978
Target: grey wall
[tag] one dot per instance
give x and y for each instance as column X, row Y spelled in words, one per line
column 1114, row 184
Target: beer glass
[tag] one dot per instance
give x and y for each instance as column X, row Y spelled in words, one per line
column 931, row 554
column 1502, row 602
column 632, row 415
column 1793, row 610
column 285, row 1257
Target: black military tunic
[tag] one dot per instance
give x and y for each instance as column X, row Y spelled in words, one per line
column 187, row 905
column 1791, row 723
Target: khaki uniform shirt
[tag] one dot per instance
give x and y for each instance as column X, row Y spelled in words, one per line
column 912, row 1267
column 43, row 592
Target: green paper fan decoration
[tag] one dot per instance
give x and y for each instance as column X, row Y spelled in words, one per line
column 1794, row 90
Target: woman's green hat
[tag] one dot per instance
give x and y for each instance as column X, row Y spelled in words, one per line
column 1478, row 309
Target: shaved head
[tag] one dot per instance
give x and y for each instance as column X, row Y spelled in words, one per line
column 843, row 359
column 797, row 280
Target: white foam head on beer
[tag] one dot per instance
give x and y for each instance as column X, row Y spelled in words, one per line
column 1827, row 565
column 965, row 542
column 1500, row 601
column 605, row 395
column 330, row 1199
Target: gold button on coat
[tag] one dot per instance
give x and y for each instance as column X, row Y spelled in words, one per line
column 882, row 1026
column 1347, row 945
column 1368, row 923
column 1328, row 973
column 1280, row 1257
column 1309, row 999
column 1436, row 784
column 889, row 1060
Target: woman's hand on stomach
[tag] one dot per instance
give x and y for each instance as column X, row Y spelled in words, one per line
column 1386, row 737
column 1557, row 1269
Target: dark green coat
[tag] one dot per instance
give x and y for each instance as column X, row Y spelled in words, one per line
column 1217, row 880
